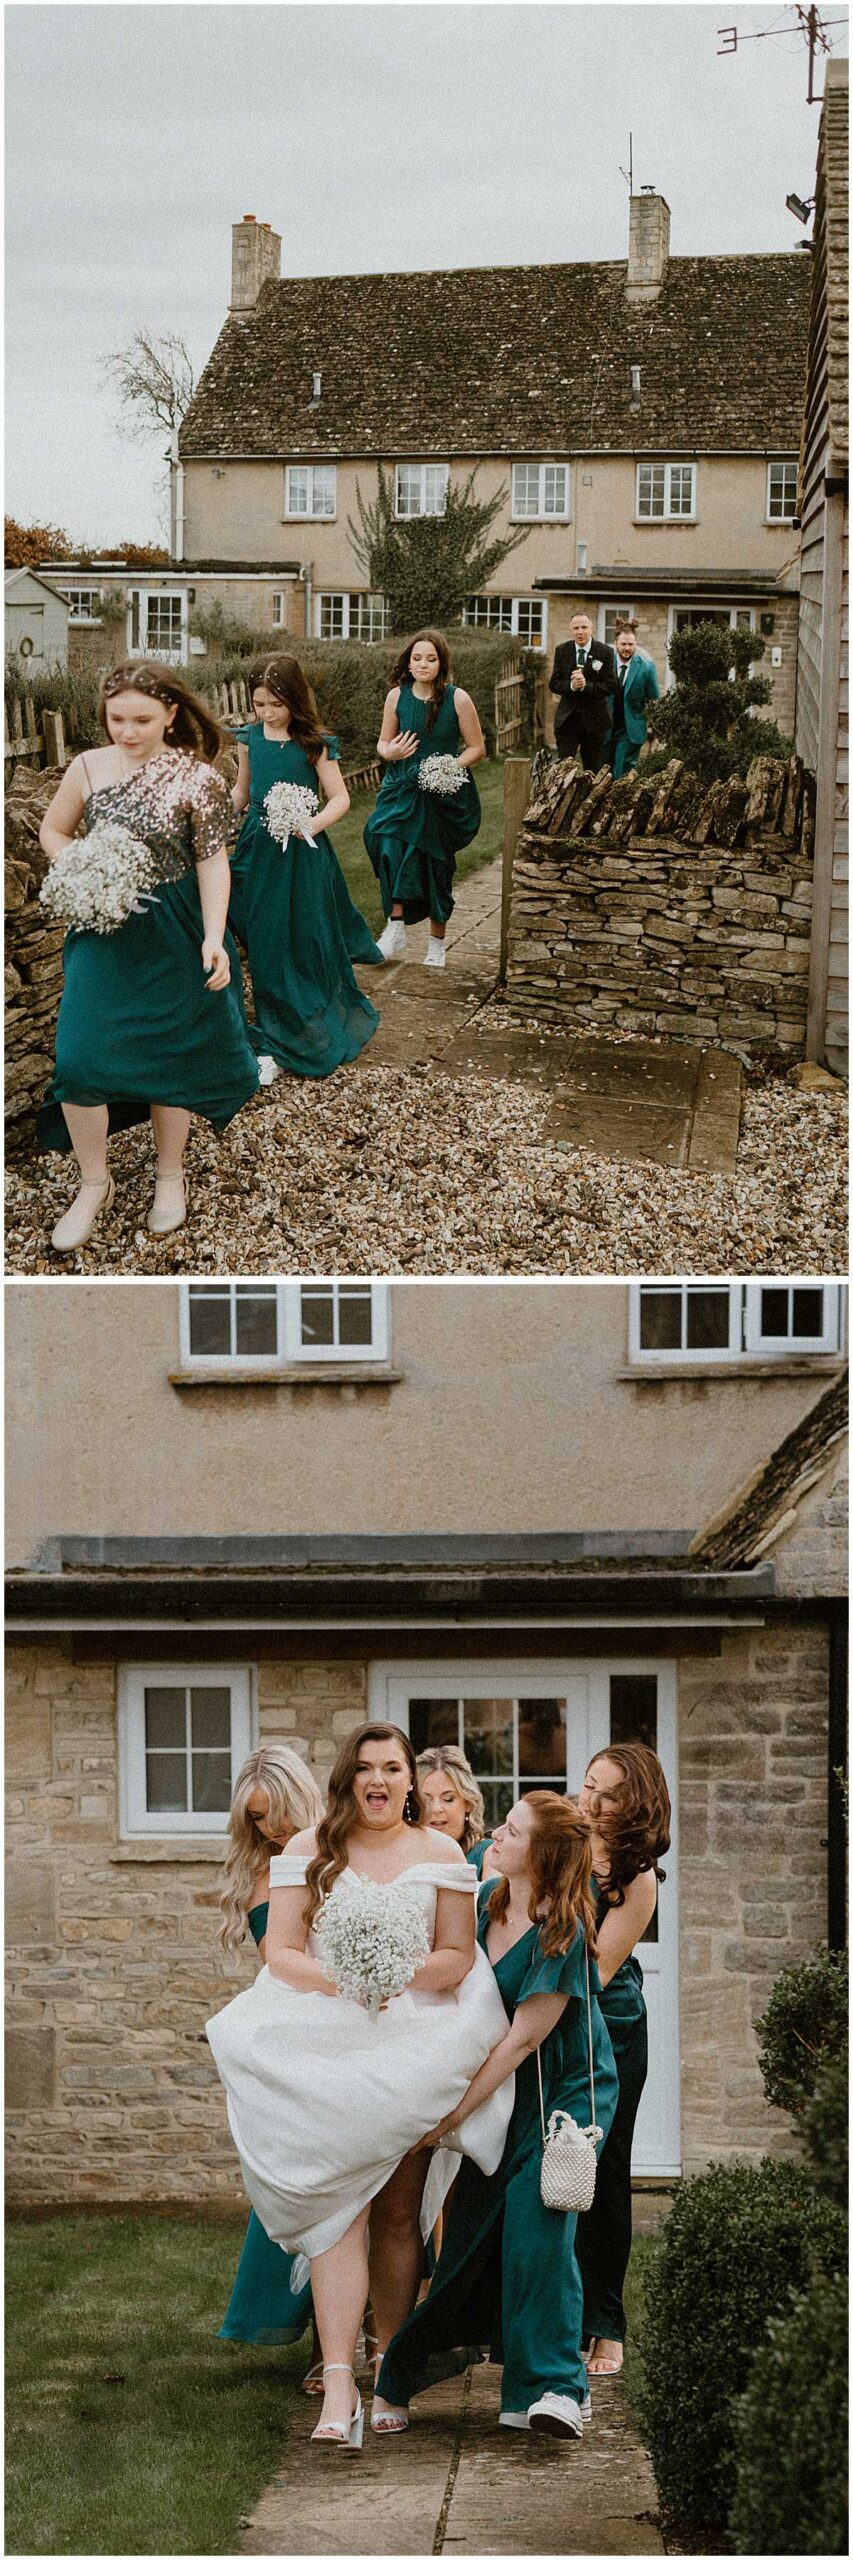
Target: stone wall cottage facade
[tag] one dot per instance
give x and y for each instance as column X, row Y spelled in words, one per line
column 643, row 417
column 537, row 1518
column 823, row 724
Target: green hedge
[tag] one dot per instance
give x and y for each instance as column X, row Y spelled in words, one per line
column 790, row 2430
column 738, row 2242
column 804, row 2021
column 350, row 678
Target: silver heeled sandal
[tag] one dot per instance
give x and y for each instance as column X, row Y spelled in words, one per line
column 346, row 2439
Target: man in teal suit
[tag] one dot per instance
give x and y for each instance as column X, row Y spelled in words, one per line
column 637, row 686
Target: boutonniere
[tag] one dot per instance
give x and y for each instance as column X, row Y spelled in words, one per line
column 597, row 664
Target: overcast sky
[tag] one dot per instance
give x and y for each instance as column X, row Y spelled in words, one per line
column 372, row 138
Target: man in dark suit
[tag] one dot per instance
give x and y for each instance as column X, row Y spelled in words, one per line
column 584, row 676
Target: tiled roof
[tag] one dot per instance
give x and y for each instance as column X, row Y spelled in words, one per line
column 524, row 360
column 767, row 1505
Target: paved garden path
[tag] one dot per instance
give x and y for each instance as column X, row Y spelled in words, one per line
column 664, row 1102
column 457, row 2484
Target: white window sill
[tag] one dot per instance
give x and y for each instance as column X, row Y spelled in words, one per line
column 166, row 1852
column 779, row 524
column 294, row 520
column 540, row 520
column 671, row 522
column 765, row 1364
column 305, row 1373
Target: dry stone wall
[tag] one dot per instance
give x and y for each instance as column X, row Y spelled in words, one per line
column 654, row 905
column 33, row 976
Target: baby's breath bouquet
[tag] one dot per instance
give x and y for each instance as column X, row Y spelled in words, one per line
column 100, row 879
column 370, row 1940
column 443, row 774
column 288, row 807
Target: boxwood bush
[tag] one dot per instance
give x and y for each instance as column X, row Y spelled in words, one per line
column 738, row 2242
column 790, row 2430
column 805, row 2021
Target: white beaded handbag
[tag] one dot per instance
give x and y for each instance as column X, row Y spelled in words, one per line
column 567, row 2180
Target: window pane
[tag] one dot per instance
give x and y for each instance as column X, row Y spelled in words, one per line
column 210, row 1711
column 278, row 608
column 408, row 489
column 211, row 1781
column 166, row 1782
column 707, row 1319
column 651, row 488
column 488, row 1733
column 431, row 1721
column 774, row 1312
column 498, row 1799
column 555, row 489
column 542, row 1738
column 634, row 1707
column 660, row 1319
column 332, row 617
column 210, row 1320
column 324, row 490
column 525, row 489
column 297, row 492
column 256, row 1320
column 317, row 1315
column 165, row 1719
column 681, row 489
column 530, row 623
column 807, row 1312
column 355, row 1315
column 435, row 489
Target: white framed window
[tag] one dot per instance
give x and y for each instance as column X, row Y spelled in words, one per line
column 84, row 603
column 540, row 492
column 685, row 617
column 666, row 491
column 526, row 617
column 184, row 1731
column 682, row 1321
column 357, row 616
column 278, row 608
column 420, row 488
column 263, row 1325
column 158, row 623
column 782, row 492
column 310, row 489
column 608, row 617
column 793, row 1315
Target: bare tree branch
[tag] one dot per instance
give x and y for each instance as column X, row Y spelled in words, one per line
column 154, row 380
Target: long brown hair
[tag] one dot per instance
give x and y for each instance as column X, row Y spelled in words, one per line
column 560, row 1866
column 342, row 1812
column 193, row 727
column 283, row 676
column 401, row 673
column 638, row 1831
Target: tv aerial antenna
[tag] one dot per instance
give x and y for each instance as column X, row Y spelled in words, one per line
column 808, row 23
column 628, row 174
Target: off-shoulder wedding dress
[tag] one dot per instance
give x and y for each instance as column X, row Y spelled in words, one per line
column 324, row 2101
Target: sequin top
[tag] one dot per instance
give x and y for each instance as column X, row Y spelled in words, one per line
column 183, row 809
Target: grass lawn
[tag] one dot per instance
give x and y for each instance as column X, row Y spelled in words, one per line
column 361, row 879
column 129, row 2427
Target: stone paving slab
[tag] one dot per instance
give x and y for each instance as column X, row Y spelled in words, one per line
column 458, row 2483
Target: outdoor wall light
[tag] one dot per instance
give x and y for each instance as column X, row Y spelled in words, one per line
column 803, row 208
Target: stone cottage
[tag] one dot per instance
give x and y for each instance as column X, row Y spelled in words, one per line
column 535, row 1518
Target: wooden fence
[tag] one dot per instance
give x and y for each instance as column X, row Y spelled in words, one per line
column 26, row 741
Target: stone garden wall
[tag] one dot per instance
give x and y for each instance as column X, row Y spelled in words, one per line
column 654, row 905
column 33, row 977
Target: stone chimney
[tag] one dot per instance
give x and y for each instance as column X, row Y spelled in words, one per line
column 255, row 257
column 648, row 246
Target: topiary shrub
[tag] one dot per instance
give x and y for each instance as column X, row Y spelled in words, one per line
column 825, row 2125
column 737, row 2243
column 708, row 718
column 790, row 2430
column 804, row 2021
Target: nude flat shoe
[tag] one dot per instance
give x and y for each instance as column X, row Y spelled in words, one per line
column 169, row 1206
column 79, row 1222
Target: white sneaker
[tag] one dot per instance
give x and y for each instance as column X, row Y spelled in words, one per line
column 556, row 2415
column 392, row 940
column 269, row 1070
column 514, row 2418
column 435, row 956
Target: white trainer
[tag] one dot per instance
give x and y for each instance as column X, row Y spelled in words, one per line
column 392, row 939
column 556, row 2415
column 269, row 1070
column 435, row 956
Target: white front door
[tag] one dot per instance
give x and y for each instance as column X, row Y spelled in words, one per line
column 158, row 624
column 527, row 1724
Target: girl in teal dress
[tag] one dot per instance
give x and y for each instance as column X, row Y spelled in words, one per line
column 507, row 2271
column 290, row 904
column 275, row 1796
column 152, row 1015
column 625, row 1799
column 413, row 836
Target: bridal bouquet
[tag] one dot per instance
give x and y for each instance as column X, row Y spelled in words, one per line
column 370, row 1939
column 287, row 809
column 443, row 774
column 100, row 880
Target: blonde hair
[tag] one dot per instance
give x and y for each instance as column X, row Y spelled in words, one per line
column 447, row 1757
column 295, row 1803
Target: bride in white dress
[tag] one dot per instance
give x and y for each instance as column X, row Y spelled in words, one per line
column 325, row 2102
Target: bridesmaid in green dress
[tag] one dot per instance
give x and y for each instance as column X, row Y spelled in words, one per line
column 413, row 836
column 626, row 1801
column 507, row 2270
column 290, row 904
column 275, row 1796
column 152, row 1015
